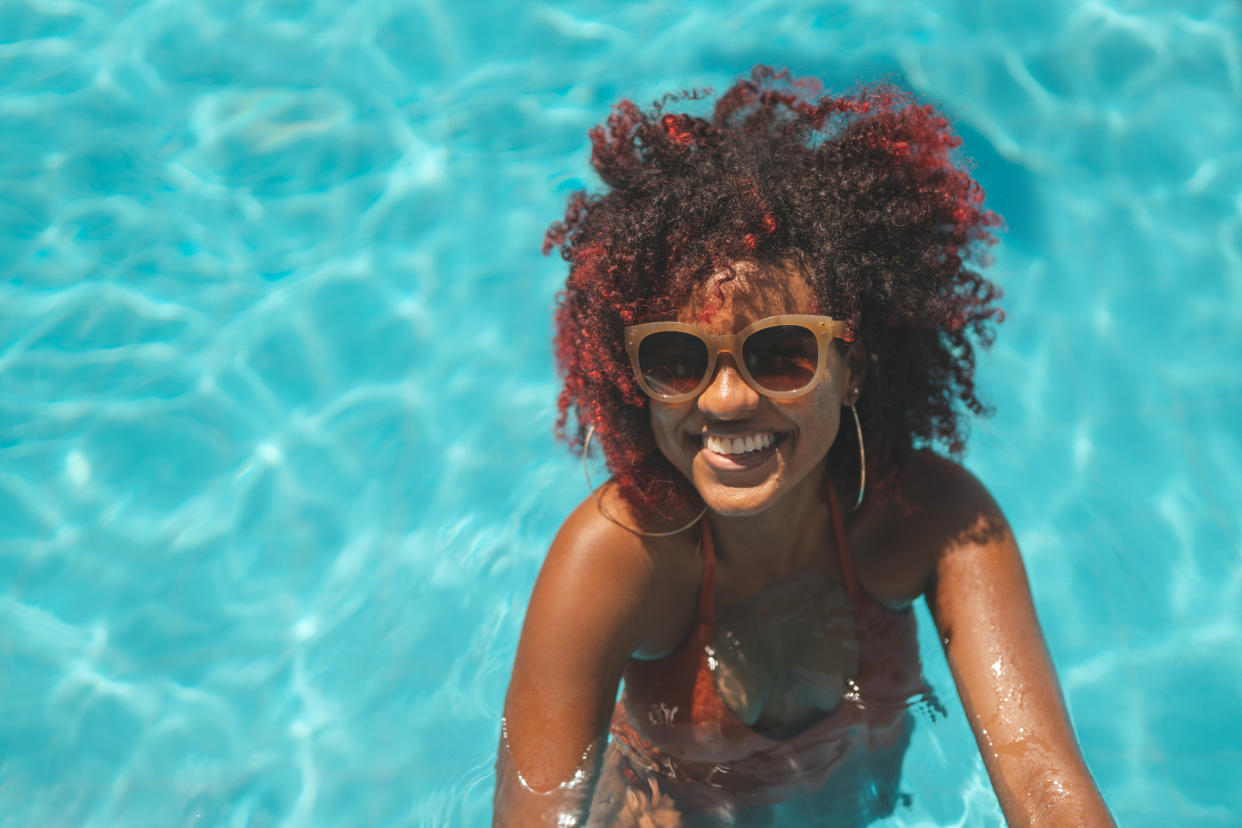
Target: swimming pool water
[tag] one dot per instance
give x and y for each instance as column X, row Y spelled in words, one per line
column 276, row 394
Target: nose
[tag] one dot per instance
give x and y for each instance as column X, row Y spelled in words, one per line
column 728, row 396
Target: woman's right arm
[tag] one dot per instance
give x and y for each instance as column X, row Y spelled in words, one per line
column 592, row 607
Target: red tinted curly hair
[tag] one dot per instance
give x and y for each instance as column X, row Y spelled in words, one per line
column 862, row 189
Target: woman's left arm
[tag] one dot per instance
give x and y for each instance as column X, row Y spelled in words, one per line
column 981, row 602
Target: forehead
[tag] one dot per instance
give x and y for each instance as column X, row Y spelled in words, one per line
column 731, row 299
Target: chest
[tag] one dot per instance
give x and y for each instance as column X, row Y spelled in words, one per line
column 783, row 657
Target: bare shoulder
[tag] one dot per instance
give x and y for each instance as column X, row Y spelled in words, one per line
column 648, row 580
column 958, row 510
column 946, row 507
column 604, row 594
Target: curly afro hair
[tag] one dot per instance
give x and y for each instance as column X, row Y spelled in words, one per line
column 862, row 189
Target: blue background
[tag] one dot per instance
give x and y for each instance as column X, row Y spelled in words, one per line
column 276, row 392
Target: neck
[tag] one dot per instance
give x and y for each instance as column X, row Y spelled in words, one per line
column 793, row 532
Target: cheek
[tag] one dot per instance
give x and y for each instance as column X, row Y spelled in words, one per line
column 664, row 422
column 826, row 418
column 832, row 396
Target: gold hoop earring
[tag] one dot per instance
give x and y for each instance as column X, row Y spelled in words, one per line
column 600, row 504
column 862, row 457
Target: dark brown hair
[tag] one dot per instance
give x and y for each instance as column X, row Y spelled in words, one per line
column 862, row 188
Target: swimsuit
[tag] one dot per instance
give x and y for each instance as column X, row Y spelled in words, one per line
column 671, row 723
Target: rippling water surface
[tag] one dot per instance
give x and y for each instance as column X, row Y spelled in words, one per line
column 276, row 396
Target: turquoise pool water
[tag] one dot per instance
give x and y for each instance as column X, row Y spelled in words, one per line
column 276, row 394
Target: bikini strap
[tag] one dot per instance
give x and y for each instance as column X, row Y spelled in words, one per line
column 843, row 551
column 707, row 607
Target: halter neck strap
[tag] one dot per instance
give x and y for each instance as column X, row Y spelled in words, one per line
column 707, row 606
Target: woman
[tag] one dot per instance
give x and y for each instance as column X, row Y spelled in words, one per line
column 768, row 326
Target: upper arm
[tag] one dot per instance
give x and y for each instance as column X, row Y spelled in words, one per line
column 981, row 602
column 587, row 614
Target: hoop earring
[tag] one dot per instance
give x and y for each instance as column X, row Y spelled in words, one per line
column 862, row 459
column 600, row 504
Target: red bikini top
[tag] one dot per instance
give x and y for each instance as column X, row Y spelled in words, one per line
column 671, row 720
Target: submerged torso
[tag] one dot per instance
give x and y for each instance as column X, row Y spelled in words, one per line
column 783, row 656
column 773, row 696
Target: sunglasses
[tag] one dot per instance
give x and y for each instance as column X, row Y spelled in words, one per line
column 781, row 357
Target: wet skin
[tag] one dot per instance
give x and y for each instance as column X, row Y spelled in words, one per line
column 606, row 595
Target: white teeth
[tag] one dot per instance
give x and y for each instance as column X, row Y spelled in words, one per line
column 738, row 445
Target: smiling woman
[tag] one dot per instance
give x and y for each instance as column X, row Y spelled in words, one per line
column 704, row 434
column 747, row 282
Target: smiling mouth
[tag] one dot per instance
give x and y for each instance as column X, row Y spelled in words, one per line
column 742, row 451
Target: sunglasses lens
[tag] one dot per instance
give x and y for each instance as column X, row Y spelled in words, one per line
column 782, row 358
column 672, row 362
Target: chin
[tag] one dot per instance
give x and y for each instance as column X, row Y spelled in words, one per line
column 738, row 501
